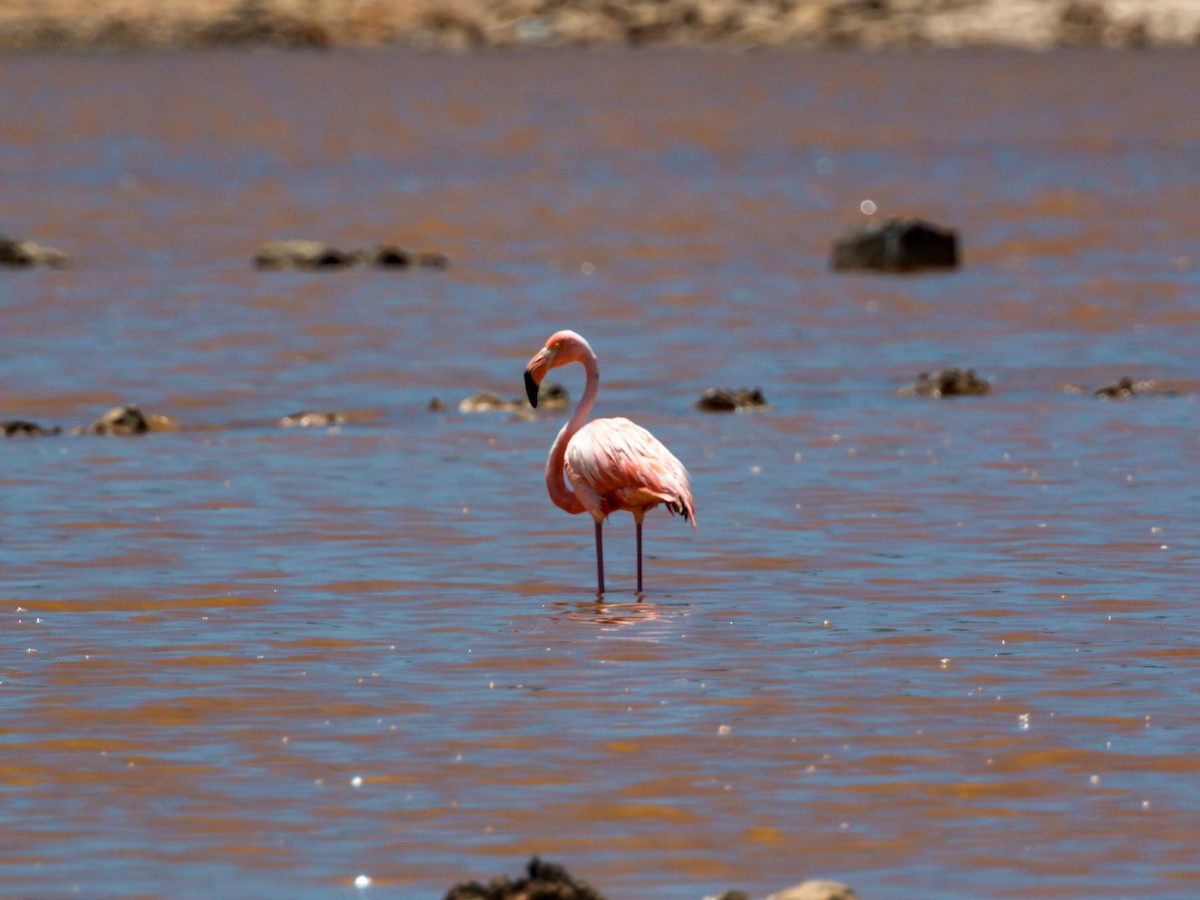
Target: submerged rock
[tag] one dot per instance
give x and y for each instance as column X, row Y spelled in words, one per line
column 385, row 256
column 1122, row 390
column 120, row 420
column 486, row 401
column 26, row 254
column 1126, row 388
column 816, row 889
column 730, row 399
column 307, row 419
column 896, row 245
column 551, row 395
column 301, row 254
column 19, row 427
column 542, row 881
column 391, row 256
column 947, row 383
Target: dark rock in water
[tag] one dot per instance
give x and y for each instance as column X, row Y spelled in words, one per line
column 896, row 245
column 307, row 419
column 436, row 405
column 301, row 255
column 26, row 254
column 120, row 420
column 947, row 383
column 1126, row 388
column 730, row 399
column 542, row 881
column 17, row 427
column 386, row 256
column 390, row 256
column 733, row 895
column 1122, row 390
column 551, row 395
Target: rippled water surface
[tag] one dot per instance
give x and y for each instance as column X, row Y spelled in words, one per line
column 931, row 648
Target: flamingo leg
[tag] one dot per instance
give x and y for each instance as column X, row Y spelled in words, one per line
column 600, row 557
column 639, row 554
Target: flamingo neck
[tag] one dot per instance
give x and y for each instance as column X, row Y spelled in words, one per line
column 561, row 492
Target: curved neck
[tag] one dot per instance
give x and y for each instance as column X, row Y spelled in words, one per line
column 561, row 492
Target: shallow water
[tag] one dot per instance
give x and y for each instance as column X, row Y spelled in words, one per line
column 929, row 648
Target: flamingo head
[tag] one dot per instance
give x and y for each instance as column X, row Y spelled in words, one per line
column 562, row 347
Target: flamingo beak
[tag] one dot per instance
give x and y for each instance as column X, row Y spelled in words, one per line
column 541, row 363
column 531, row 388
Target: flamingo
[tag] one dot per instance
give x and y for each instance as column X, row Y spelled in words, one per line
column 610, row 464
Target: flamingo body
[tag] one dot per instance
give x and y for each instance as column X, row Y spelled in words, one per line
column 615, row 464
column 608, row 464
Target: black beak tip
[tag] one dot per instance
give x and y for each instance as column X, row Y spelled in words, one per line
column 531, row 389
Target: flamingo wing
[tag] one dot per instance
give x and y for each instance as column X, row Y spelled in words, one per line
column 623, row 466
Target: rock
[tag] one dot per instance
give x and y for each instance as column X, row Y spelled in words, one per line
column 120, row 420
column 19, row 427
column 816, row 889
column 485, row 401
column 26, row 254
column 1125, row 388
column 732, row 895
column 896, row 245
column 542, row 881
column 551, row 395
column 947, row 383
column 389, row 256
column 730, row 399
column 1122, row 390
column 307, row 419
column 436, row 405
column 385, row 256
column 300, row 254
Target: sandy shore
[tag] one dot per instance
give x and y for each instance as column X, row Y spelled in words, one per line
column 462, row 24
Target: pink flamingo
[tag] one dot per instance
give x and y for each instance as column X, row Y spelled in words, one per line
column 611, row 464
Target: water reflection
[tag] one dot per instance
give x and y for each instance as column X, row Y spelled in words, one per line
column 614, row 617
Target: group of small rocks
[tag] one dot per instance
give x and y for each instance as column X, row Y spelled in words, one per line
column 304, row 254
column 120, row 420
column 18, row 253
column 886, row 245
column 547, row 881
column 896, row 245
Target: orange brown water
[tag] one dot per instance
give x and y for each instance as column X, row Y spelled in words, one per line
column 934, row 649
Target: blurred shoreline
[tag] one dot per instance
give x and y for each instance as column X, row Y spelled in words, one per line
column 467, row 24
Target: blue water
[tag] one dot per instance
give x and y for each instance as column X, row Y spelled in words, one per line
column 937, row 648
